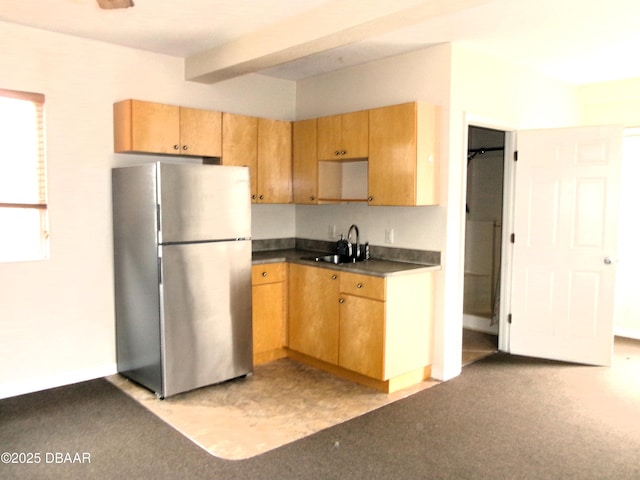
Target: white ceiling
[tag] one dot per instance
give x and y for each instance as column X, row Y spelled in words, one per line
column 580, row 41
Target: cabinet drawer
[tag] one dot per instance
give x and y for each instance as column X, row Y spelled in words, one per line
column 363, row 285
column 268, row 273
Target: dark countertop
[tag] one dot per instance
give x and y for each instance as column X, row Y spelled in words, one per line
column 375, row 267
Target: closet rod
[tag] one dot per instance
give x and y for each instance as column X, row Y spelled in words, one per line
column 485, row 149
column 472, row 152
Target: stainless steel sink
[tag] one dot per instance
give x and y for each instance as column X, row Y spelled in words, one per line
column 335, row 259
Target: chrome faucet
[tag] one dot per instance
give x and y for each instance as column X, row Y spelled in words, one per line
column 355, row 253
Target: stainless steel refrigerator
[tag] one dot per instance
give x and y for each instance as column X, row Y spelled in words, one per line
column 182, row 255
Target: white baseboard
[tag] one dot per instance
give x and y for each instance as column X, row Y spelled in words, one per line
column 56, row 380
column 479, row 324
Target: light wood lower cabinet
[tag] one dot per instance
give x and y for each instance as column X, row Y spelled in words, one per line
column 378, row 328
column 269, row 306
column 362, row 322
column 313, row 312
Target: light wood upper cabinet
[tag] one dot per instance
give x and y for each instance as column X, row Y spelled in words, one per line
column 274, row 161
column 344, row 136
column 403, row 155
column 314, row 312
column 148, row 127
column 240, row 143
column 305, row 162
column 269, row 307
column 264, row 146
column 200, row 132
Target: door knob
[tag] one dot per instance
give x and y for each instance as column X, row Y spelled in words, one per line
column 608, row 261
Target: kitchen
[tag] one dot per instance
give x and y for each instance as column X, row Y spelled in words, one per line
column 58, row 322
column 381, row 334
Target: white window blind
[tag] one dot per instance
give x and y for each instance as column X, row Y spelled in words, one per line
column 23, row 177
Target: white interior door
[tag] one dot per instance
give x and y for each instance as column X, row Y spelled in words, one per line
column 565, row 224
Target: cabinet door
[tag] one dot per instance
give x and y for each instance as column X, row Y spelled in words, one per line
column 330, row 137
column 146, row 127
column 355, row 134
column 268, row 317
column 343, row 137
column 305, row 162
column 403, row 162
column 240, row 144
column 314, row 312
column 269, row 308
column 392, row 161
column 362, row 335
column 274, row 161
column 200, row 132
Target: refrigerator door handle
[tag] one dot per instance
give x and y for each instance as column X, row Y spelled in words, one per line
column 159, row 270
column 159, row 222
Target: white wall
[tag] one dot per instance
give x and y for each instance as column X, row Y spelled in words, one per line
column 57, row 315
column 611, row 103
column 422, row 75
column 273, row 221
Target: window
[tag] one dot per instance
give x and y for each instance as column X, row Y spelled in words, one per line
column 23, row 186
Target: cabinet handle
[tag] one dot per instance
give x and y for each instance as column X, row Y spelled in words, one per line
column 264, row 274
column 261, row 197
column 336, row 153
column 334, row 277
column 359, row 285
column 370, row 199
column 253, row 197
column 312, row 198
column 176, row 147
column 341, row 300
column 185, row 147
column 343, row 152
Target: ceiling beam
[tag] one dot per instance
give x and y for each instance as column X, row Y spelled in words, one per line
column 332, row 25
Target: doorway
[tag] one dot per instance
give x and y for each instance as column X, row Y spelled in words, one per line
column 483, row 242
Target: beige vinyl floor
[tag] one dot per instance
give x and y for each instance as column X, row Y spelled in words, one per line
column 282, row 401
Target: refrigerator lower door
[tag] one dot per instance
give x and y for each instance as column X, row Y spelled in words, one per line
column 205, row 314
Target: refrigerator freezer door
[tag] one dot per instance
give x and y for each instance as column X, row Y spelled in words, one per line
column 206, row 314
column 203, row 202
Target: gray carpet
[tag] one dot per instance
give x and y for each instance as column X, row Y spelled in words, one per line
column 505, row 417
